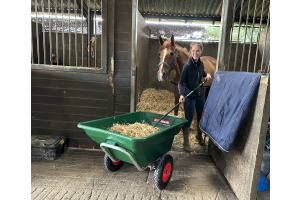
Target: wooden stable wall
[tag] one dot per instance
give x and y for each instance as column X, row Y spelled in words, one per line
column 123, row 50
column 61, row 97
column 122, row 56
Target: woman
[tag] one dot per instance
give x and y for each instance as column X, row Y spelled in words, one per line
column 191, row 75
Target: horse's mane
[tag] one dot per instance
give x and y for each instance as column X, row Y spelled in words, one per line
column 183, row 50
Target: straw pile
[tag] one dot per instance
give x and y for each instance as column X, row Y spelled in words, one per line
column 136, row 130
column 156, row 100
column 161, row 101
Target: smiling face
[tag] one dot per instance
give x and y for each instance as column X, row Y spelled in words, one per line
column 196, row 51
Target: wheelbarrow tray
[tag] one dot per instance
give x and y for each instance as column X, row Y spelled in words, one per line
column 143, row 150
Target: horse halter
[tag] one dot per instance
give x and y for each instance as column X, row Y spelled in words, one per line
column 174, row 63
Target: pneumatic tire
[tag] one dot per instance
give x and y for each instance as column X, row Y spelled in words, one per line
column 112, row 166
column 163, row 172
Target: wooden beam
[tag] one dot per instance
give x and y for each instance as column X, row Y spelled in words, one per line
column 226, row 24
column 133, row 55
column 109, row 19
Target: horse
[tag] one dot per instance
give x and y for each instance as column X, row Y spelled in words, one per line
column 172, row 56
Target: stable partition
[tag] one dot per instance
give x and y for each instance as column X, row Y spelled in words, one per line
column 241, row 166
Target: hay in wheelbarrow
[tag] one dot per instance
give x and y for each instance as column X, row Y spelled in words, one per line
column 136, row 130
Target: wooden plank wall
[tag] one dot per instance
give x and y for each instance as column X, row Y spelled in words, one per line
column 62, row 99
column 122, row 81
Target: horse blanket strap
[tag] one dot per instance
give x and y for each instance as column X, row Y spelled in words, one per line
column 169, row 66
column 228, row 104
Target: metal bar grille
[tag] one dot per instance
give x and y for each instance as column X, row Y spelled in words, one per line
column 95, row 33
column 89, row 33
column 75, row 9
column 230, row 43
column 37, row 33
column 82, row 32
column 254, row 15
column 262, row 60
column 241, row 68
column 50, row 37
column 252, row 33
column 63, row 34
column 56, row 34
column 32, row 58
column 43, row 29
column 262, row 9
column 63, row 20
column 237, row 44
column 69, row 32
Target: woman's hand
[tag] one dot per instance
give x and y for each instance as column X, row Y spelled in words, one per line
column 208, row 77
column 181, row 99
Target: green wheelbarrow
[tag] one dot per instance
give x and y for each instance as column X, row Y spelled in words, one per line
column 144, row 152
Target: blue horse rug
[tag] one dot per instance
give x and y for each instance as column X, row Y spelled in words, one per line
column 229, row 102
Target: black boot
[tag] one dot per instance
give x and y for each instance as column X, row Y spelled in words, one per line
column 186, row 142
column 199, row 136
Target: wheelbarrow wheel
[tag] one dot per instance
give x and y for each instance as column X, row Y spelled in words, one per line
column 163, row 172
column 112, row 166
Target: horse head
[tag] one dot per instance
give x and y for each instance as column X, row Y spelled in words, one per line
column 168, row 58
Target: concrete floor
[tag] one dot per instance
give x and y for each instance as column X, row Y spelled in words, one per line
column 80, row 174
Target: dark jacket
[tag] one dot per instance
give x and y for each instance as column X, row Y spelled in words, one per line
column 191, row 74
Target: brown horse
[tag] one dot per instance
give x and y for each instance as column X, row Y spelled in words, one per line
column 173, row 56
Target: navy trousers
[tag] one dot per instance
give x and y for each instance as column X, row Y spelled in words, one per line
column 189, row 105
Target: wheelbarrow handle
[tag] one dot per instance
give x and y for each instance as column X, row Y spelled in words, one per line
column 179, row 102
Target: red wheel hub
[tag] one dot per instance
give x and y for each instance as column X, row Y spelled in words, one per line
column 167, row 172
column 116, row 163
